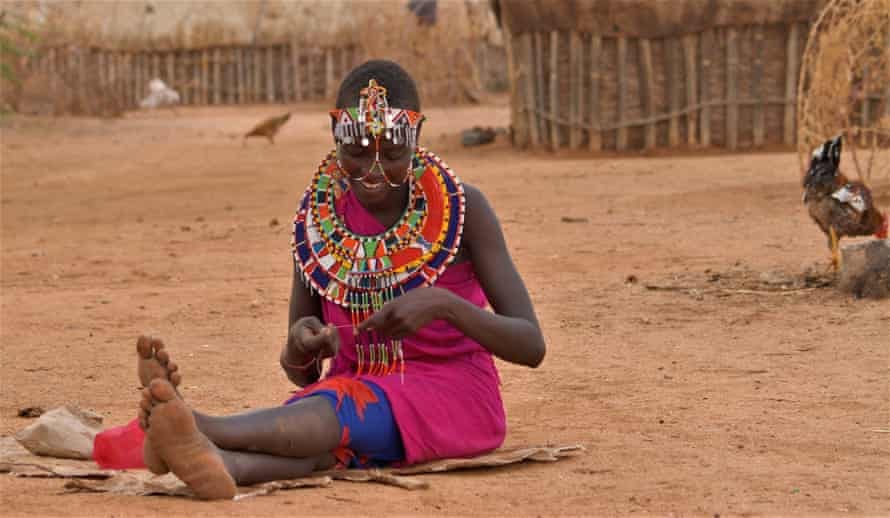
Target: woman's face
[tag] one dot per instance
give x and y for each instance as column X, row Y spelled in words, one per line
column 367, row 178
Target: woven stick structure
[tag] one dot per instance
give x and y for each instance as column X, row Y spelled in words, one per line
column 639, row 75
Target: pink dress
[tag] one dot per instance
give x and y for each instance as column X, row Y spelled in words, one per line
column 449, row 404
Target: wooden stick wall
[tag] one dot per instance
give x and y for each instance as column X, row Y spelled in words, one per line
column 224, row 75
column 732, row 87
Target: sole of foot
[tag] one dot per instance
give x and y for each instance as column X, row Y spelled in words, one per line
column 152, row 461
column 177, row 442
column 153, row 362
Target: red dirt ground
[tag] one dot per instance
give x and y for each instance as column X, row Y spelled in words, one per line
column 716, row 394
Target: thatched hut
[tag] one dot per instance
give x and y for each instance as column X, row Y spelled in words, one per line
column 643, row 74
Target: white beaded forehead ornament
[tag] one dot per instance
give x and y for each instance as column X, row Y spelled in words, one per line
column 375, row 119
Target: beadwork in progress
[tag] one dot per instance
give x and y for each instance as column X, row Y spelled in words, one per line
column 362, row 273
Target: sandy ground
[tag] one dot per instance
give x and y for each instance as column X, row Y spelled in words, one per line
column 712, row 396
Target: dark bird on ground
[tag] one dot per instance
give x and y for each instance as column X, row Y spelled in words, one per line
column 268, row 128
column 839, row 206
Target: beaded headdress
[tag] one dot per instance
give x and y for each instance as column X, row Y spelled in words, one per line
column 374, row 119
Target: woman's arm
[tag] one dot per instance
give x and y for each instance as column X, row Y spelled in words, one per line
column 511, row 333
column 303, row 303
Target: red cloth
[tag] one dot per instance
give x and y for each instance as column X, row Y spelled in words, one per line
column 120, row 447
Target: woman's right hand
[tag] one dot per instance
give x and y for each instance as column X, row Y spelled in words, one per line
column 308, row 337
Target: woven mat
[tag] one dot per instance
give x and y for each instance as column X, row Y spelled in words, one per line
column 83, row 476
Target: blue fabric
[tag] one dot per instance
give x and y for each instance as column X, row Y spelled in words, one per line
column 374, row 441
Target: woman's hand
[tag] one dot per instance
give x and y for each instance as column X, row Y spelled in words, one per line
column 404, row 315
column 309, row 337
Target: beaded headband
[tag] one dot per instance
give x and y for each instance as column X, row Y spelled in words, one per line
column 375, row 119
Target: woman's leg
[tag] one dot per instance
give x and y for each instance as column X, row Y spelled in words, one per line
column 254, row 468
column 211, row 472
column 306, row 428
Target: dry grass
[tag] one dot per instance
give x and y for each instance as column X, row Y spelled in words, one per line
column 845, row 84
column 74, row 87
column 441, row 58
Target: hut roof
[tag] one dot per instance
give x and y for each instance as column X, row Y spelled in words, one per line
column 649, row 18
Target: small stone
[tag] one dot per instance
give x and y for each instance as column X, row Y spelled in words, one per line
column 774, row 278
column 477, row 136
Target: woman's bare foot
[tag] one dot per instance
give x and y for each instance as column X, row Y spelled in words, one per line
column 179, row 444
column 152, row 461
column 153, row 362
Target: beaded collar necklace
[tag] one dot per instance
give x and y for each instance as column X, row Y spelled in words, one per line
column 362, row 273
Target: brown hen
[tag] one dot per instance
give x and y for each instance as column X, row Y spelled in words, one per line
column 268, row 128
column 839, row 206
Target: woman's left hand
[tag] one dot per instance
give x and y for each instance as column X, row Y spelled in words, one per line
column 404, row 315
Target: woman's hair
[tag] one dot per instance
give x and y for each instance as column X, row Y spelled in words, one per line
column 401, row 92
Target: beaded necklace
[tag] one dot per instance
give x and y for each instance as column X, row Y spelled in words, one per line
column 363, row 273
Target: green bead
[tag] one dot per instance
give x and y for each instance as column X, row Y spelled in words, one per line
column 370, row 247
